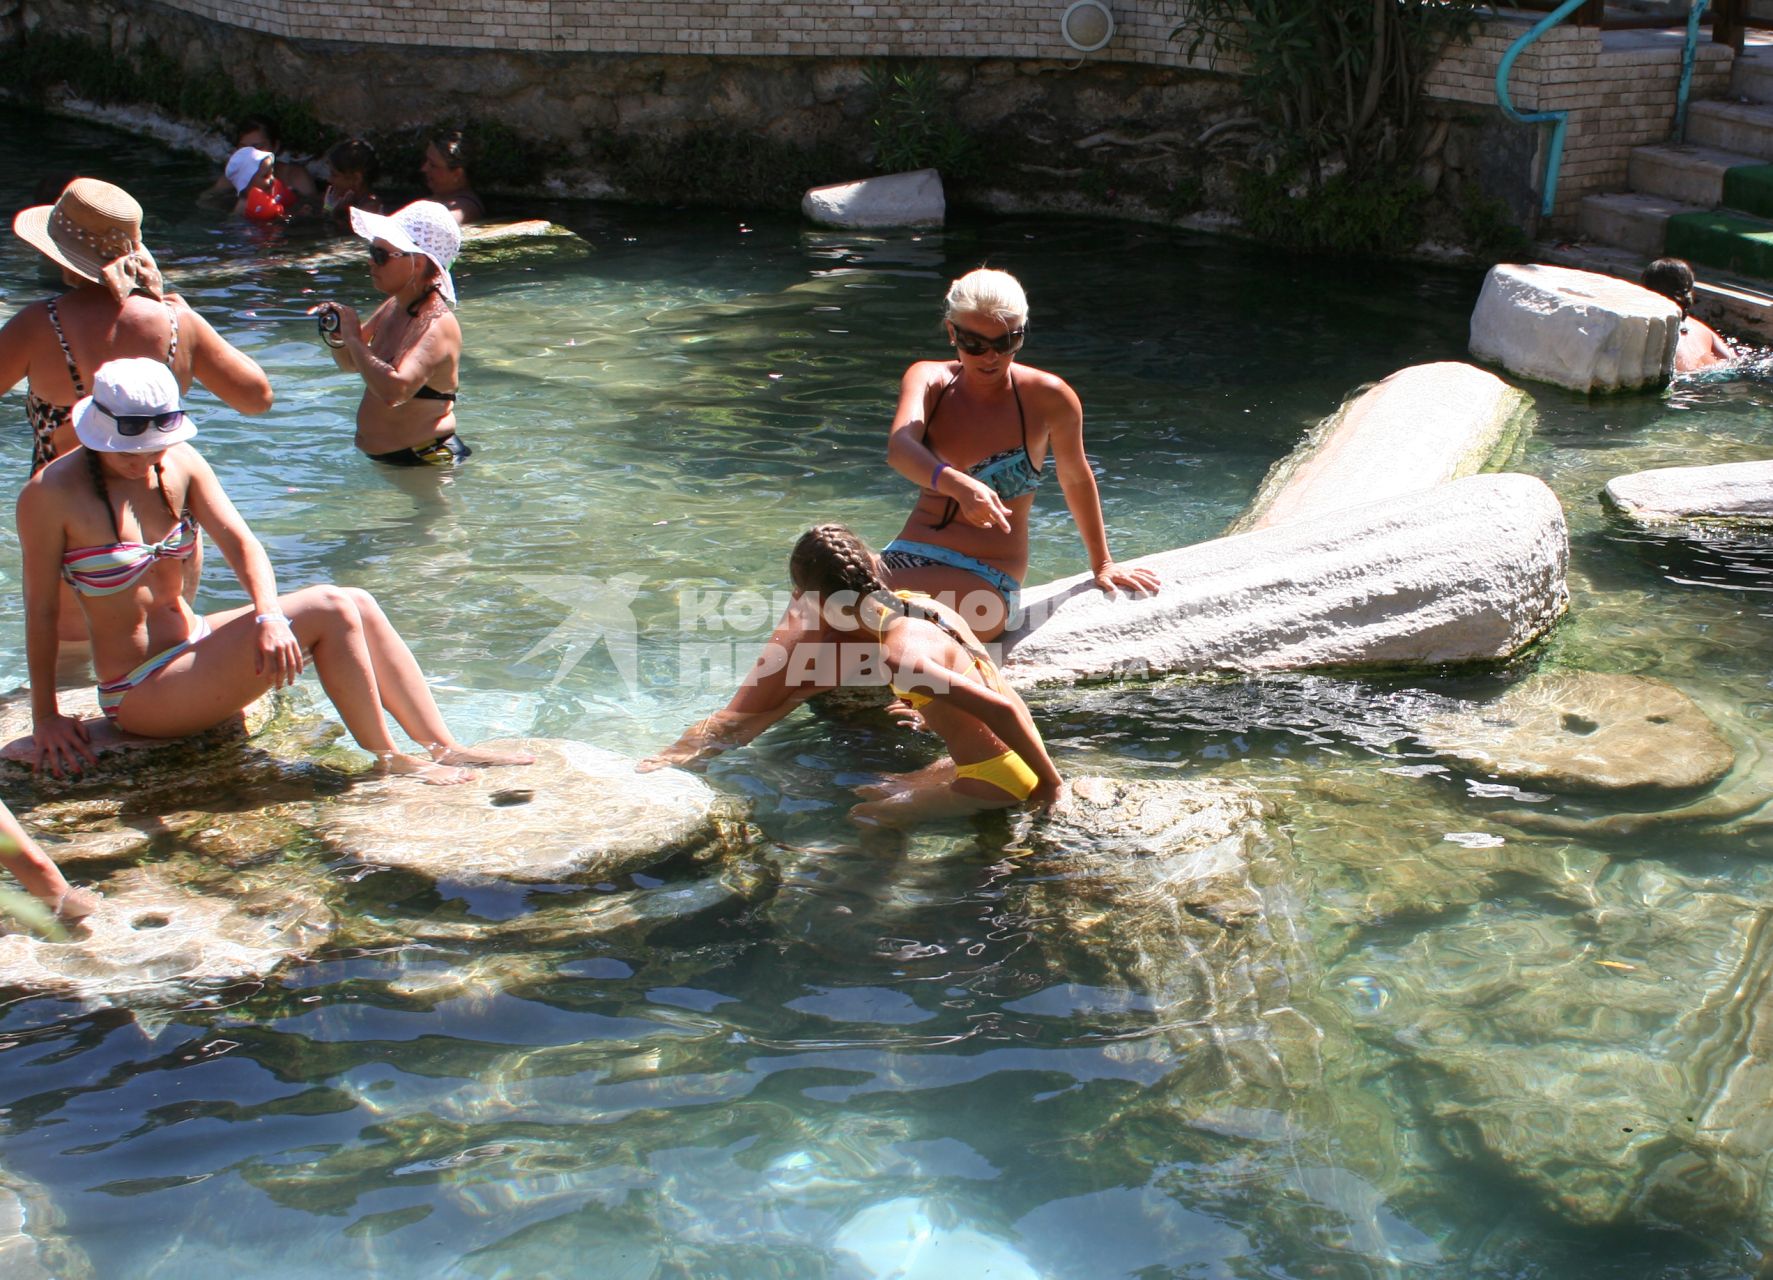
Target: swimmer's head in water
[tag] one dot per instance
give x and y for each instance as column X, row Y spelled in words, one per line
column 247, row 167
column 1673, row 279
column 422, row 227
column 354, row 158
column 831, row 561
column 987, row 292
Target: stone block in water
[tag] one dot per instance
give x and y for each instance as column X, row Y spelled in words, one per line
column 893, row 200
column 1733, row 492
column 150, row 932
column 123, row 758
column 1576, row 329
column 1584, row 731
column 1422, row 426
column 1469, row 571
column 579, row 812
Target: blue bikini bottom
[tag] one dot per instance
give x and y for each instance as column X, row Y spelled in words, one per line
column 899, row 554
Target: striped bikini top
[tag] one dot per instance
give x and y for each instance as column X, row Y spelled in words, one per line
column 104, row 571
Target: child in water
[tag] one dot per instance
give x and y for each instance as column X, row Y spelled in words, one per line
column 262, row 195
column 925, row 652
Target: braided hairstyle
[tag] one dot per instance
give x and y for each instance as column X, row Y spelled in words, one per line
column 830, row 558
column 96, row 469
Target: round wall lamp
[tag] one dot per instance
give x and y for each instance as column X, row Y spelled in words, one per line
column 1087, row 25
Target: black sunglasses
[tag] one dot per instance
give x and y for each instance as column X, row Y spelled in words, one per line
column 977, row 344
column 134, row 424
column 380, row 256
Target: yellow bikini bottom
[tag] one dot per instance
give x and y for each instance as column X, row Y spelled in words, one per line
column 1008, row 772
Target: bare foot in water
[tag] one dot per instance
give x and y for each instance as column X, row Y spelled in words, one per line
column 438, row 775
column 458, row 754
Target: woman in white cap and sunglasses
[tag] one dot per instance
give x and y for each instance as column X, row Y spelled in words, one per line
column 114, row 520
column 409, row 351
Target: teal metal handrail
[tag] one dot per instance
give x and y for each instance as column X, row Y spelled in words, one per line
column 1560, row 119
column 1687, row 55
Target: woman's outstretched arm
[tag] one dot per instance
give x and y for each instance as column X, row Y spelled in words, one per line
column 1065, row 428
column 277, row 651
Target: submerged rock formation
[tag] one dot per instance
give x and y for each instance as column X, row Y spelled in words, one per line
column 1585, row 731
column 1733, row 492
column 894, row 200
column 1468, row 571
column 1577, row 329
column 578, row 812
column 1615, row 1061
column 1420, row 427
column 151, row 931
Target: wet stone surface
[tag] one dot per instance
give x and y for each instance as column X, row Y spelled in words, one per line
column 578, row 812
column 1583, row 731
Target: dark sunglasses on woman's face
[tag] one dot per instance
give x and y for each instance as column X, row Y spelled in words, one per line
column 133, row 424
column 380, row 256
column 977, row 344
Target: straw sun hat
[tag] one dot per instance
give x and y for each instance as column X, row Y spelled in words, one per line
column 94, row 230
column 425, row 227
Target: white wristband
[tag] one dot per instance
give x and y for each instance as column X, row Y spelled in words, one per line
column 271, row 617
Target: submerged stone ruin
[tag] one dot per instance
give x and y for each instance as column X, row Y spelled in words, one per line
column 1403, row 582
column 578, row 812
column 1731, row 493
column 1575, row 329
column 1420, row 427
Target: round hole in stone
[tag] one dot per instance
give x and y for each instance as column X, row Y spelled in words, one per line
column 152, row 920
column 1579, row 724
column 510, row 796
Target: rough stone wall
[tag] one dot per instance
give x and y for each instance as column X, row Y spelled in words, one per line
column 562, row 72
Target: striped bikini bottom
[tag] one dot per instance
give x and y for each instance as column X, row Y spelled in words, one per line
column 111, row 692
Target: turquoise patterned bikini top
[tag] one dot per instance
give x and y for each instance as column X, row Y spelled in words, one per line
column 1010, row 474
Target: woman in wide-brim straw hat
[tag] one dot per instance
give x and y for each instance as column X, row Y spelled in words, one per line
column 117, row 306
column 409, row 351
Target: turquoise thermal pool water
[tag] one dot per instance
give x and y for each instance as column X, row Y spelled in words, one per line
column 838, row 1057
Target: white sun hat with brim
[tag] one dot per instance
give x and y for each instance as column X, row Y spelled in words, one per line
column 244, row 165
column 130, row 400
column 424, row 226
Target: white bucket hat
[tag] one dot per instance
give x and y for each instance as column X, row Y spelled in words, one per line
column 424, row 226
column 129, row 402
column 244, row 165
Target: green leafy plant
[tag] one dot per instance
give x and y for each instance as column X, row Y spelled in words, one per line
column 1328, row 78
column 1490, row 230
column 914, row 125
column 717, row 168
column 1344, row 215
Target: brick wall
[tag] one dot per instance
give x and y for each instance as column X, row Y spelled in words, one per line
column 921, row 28
column 1617, row 97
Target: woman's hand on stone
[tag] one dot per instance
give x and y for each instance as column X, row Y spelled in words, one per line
column 62, row 745
column 1141, row 582
column 279, row 654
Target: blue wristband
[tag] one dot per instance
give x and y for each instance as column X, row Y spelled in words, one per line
column 937, row 473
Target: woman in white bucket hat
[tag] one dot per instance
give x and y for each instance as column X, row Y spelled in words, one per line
column 115, row 519
column 409, row 351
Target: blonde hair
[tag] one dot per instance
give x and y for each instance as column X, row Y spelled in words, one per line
column 987, row 292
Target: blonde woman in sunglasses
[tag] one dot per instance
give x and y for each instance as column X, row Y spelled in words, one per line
column 976, row 434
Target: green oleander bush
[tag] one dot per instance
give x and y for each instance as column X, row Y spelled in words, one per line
column 914, row 124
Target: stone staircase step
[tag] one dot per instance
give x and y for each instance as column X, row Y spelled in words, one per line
column 1752, row 76
column 1723, row 239
column 1631, row 220
column 1691, row 174
column 1743, row 127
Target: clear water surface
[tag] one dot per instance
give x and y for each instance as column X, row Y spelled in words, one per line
column 849, row 1059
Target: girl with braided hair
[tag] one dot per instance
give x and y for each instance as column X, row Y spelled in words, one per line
column 116, row 519
column 925, row 652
